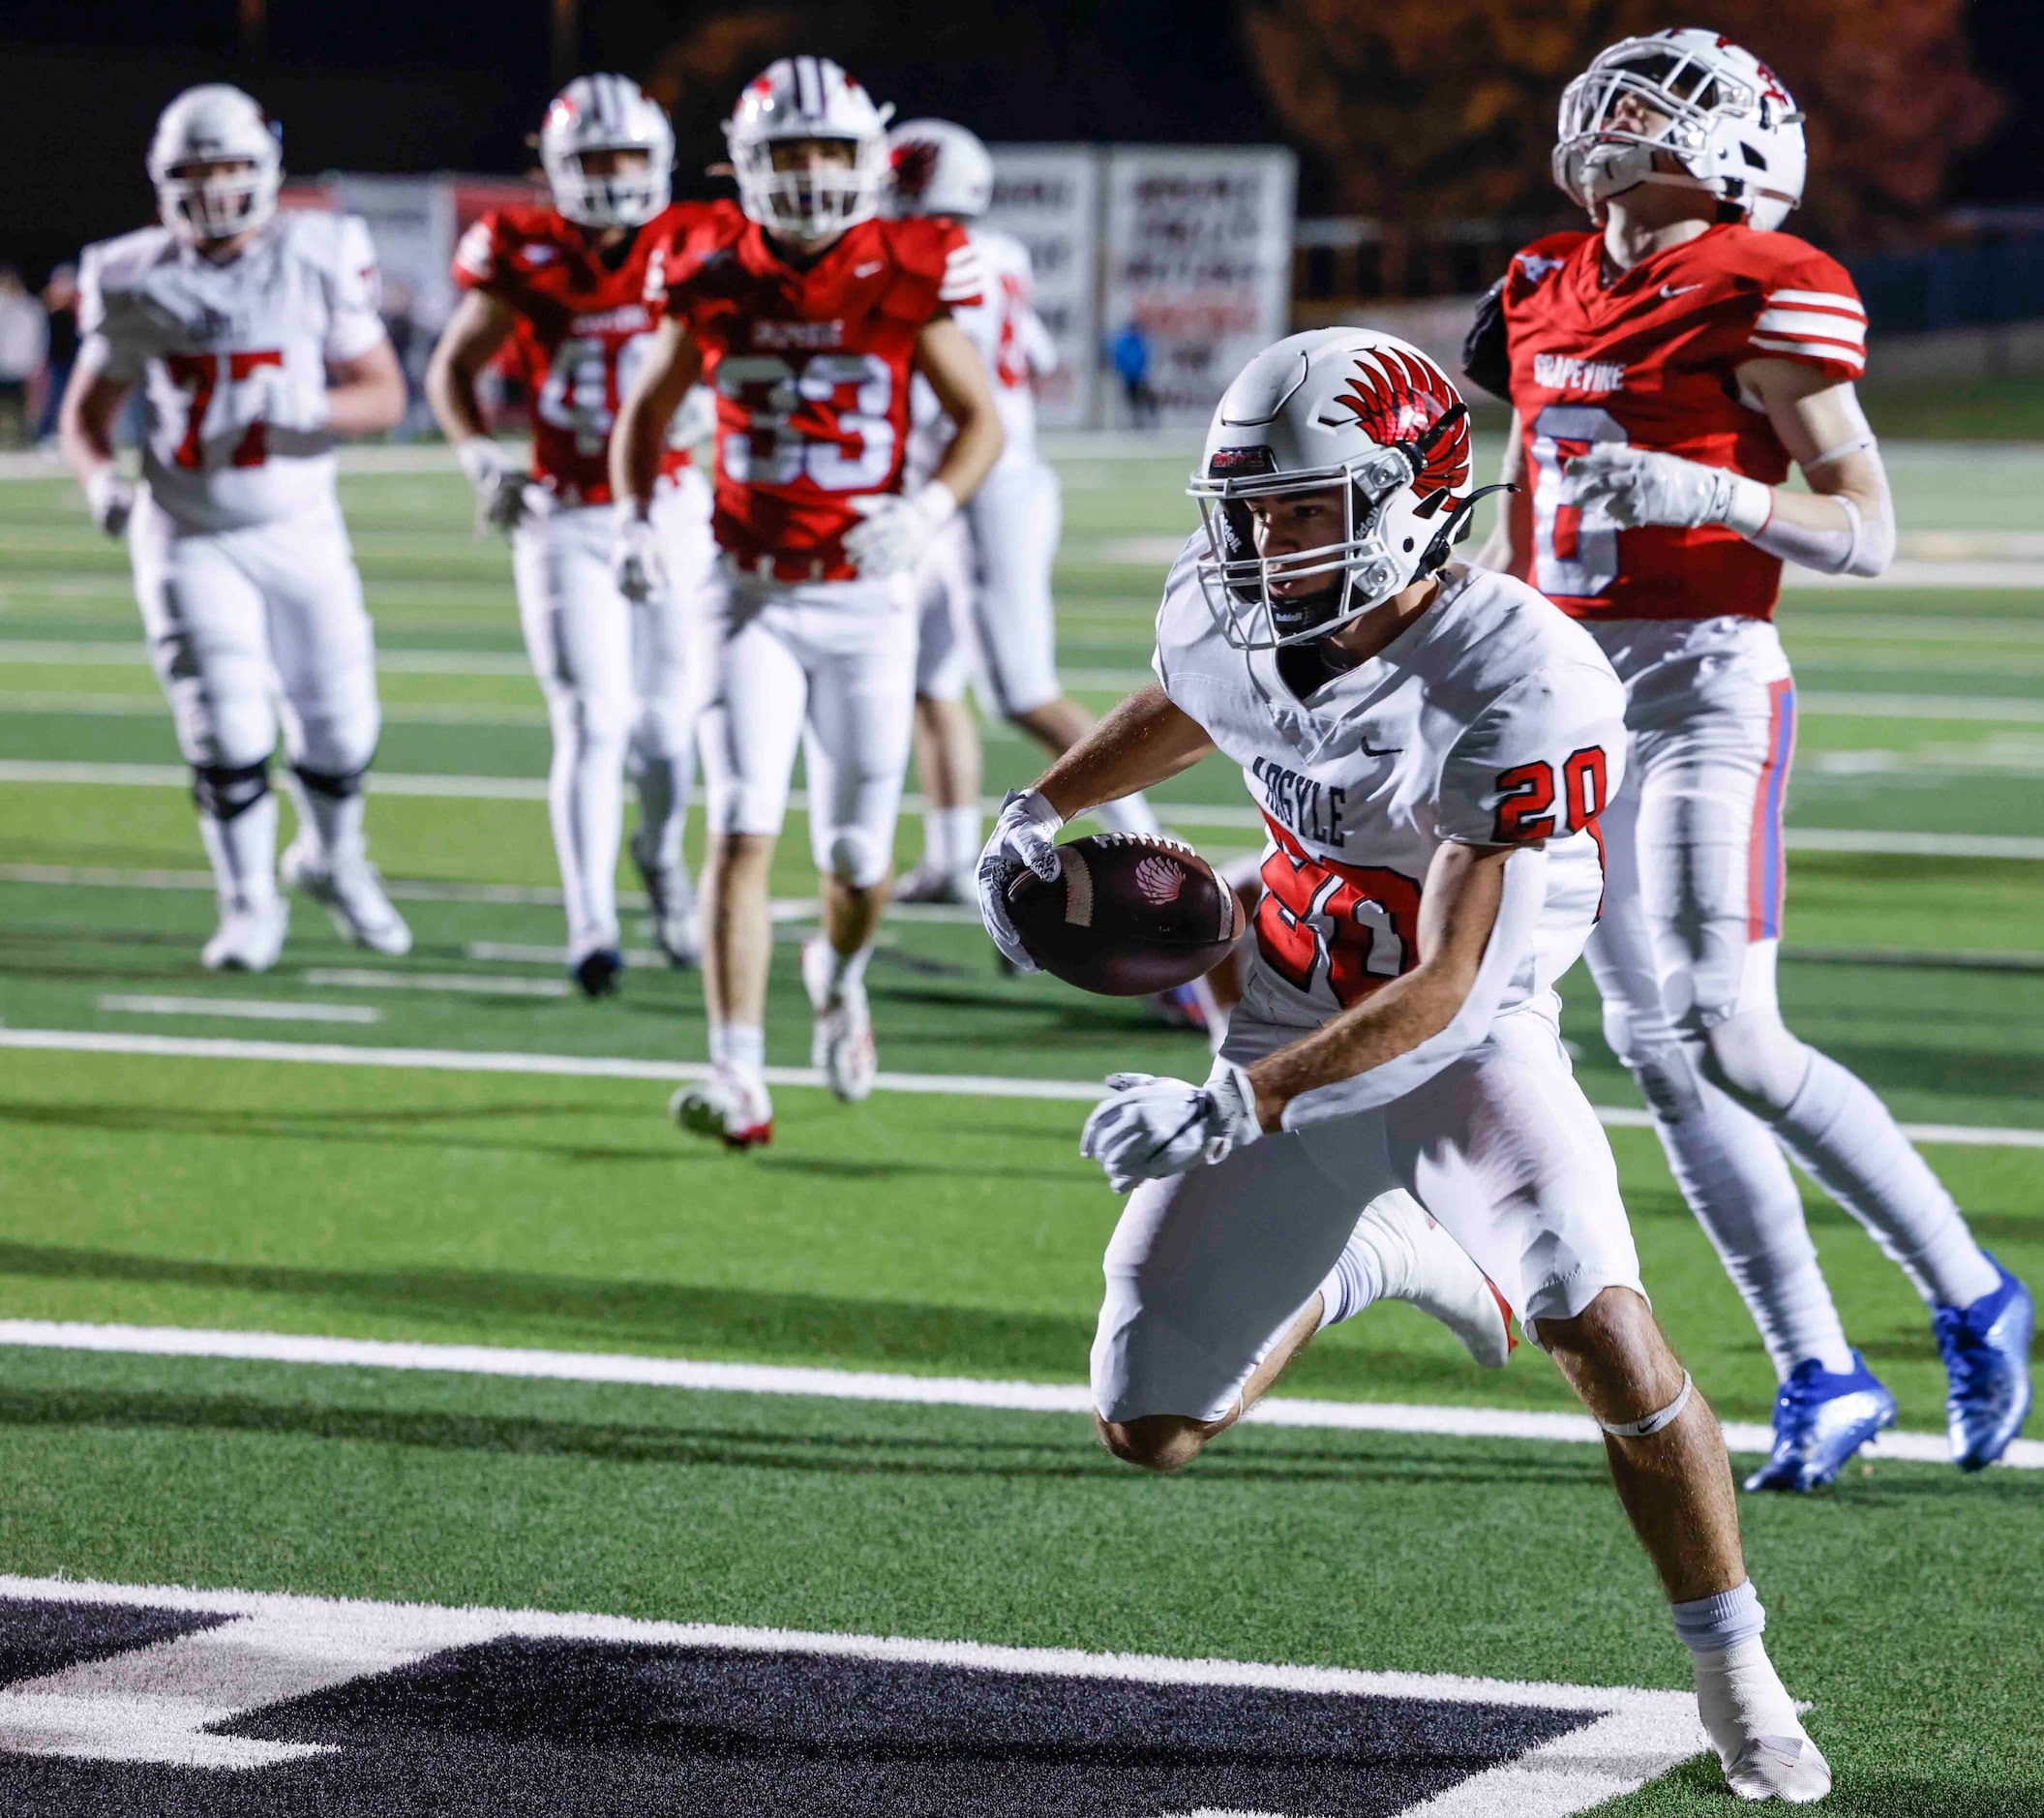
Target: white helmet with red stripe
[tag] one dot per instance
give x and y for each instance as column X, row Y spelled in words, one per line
column 807, row 195
column 1729, row 125
column 1345, row 409
column 607, row 113
column 940, row 169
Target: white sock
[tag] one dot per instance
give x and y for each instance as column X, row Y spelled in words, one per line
column 243, row 852
column 936, row 841
column 960, row 839
column 1844, row 1136
column 848, row 971
column 334, row 821
column 1736, row 1181
column 1373, row 1265
column 1131, row 814
column 586, row 805
column 737, row 1044
column 1719, row 1623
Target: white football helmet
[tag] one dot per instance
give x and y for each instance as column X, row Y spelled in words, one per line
column 1731, row 125
column 216, row 124
column 1345, row 408
column 796, row 100
column 940, row 169
column 600, row 114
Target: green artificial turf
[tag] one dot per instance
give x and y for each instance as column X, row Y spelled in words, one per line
column 1898, row 1604
column 937, row 1235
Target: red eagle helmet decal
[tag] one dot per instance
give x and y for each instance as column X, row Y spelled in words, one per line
column 1398, row 396
column 914, row 163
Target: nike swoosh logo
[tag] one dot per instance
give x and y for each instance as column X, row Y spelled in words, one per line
column 1677, row 290
column 866, row 272
column 1389, row 750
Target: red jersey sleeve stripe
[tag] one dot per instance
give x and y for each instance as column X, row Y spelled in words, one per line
column 1822, row 325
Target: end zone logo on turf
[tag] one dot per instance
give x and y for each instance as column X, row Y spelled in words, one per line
column 122, row 1700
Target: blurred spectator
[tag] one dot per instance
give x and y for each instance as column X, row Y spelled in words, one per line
column 24, row 337
column 1129, row 350
column 60, row 298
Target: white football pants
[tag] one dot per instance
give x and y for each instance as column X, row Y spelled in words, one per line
column 831, row 666
column 985, row 607
column 618, row 685
column 1208, row 1270
column 257, row 633
column 1684, row 959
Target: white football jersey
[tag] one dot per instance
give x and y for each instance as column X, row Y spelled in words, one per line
column 1492, row 719
column 232, row 359
column 1013, row 344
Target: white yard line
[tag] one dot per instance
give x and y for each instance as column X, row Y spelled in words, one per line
column 1440, row 1421
column 618, row 1066
column 272, row 1648
column 247, row 1009
column 460, row 983
column 1180, row 814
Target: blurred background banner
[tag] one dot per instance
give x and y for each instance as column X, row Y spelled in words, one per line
column 1048, row 196
column 1198, row 262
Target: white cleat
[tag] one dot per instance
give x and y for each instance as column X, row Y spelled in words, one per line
column 672, row 900
column 1752, row 1723
column 731, row 1106
column 931, row 882
column 247, row 940
column 842, row 1046
column 1440, row 1280
column 345, row 885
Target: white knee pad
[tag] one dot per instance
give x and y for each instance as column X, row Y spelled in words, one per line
column 588, row 720
column 1665, row 1071
column 858, row 858
column 659, row 731
column 1754, row 1059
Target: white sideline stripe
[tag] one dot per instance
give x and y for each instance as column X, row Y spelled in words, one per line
column 609, row 1067
column 1171, row 813
column 248, row 1009
column 274, row 1646
column 1444, row 1421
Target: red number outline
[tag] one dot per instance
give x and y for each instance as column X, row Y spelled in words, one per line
column 1310, row 924
column 199, row 373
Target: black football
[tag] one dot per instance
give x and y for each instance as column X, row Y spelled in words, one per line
column 1128, row 915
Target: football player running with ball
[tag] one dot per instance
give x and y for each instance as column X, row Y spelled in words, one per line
column 1431, row 746
column 1666, row 369
column 255, row 339
column 566, row 287
column 808, row 317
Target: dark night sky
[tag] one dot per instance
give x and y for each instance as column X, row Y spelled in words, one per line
column 459, row 84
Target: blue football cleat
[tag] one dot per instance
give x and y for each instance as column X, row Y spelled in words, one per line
column 1819, row 1421
column 1986, row 1350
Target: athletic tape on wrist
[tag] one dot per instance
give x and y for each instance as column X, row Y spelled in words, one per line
column 1654, row 1422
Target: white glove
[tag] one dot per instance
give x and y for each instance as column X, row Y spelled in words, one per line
column 1636, row 487
column 1149, row 1128
column 897, row 529
column 1026, row 833
column 635, row 558
column 109, row 496
column 499, row 487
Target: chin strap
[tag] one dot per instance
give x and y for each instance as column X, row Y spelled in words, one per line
column 1457, row 526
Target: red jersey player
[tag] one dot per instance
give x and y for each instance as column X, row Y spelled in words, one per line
column 1664, row 370
column 564, row 286
column 808, row 317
